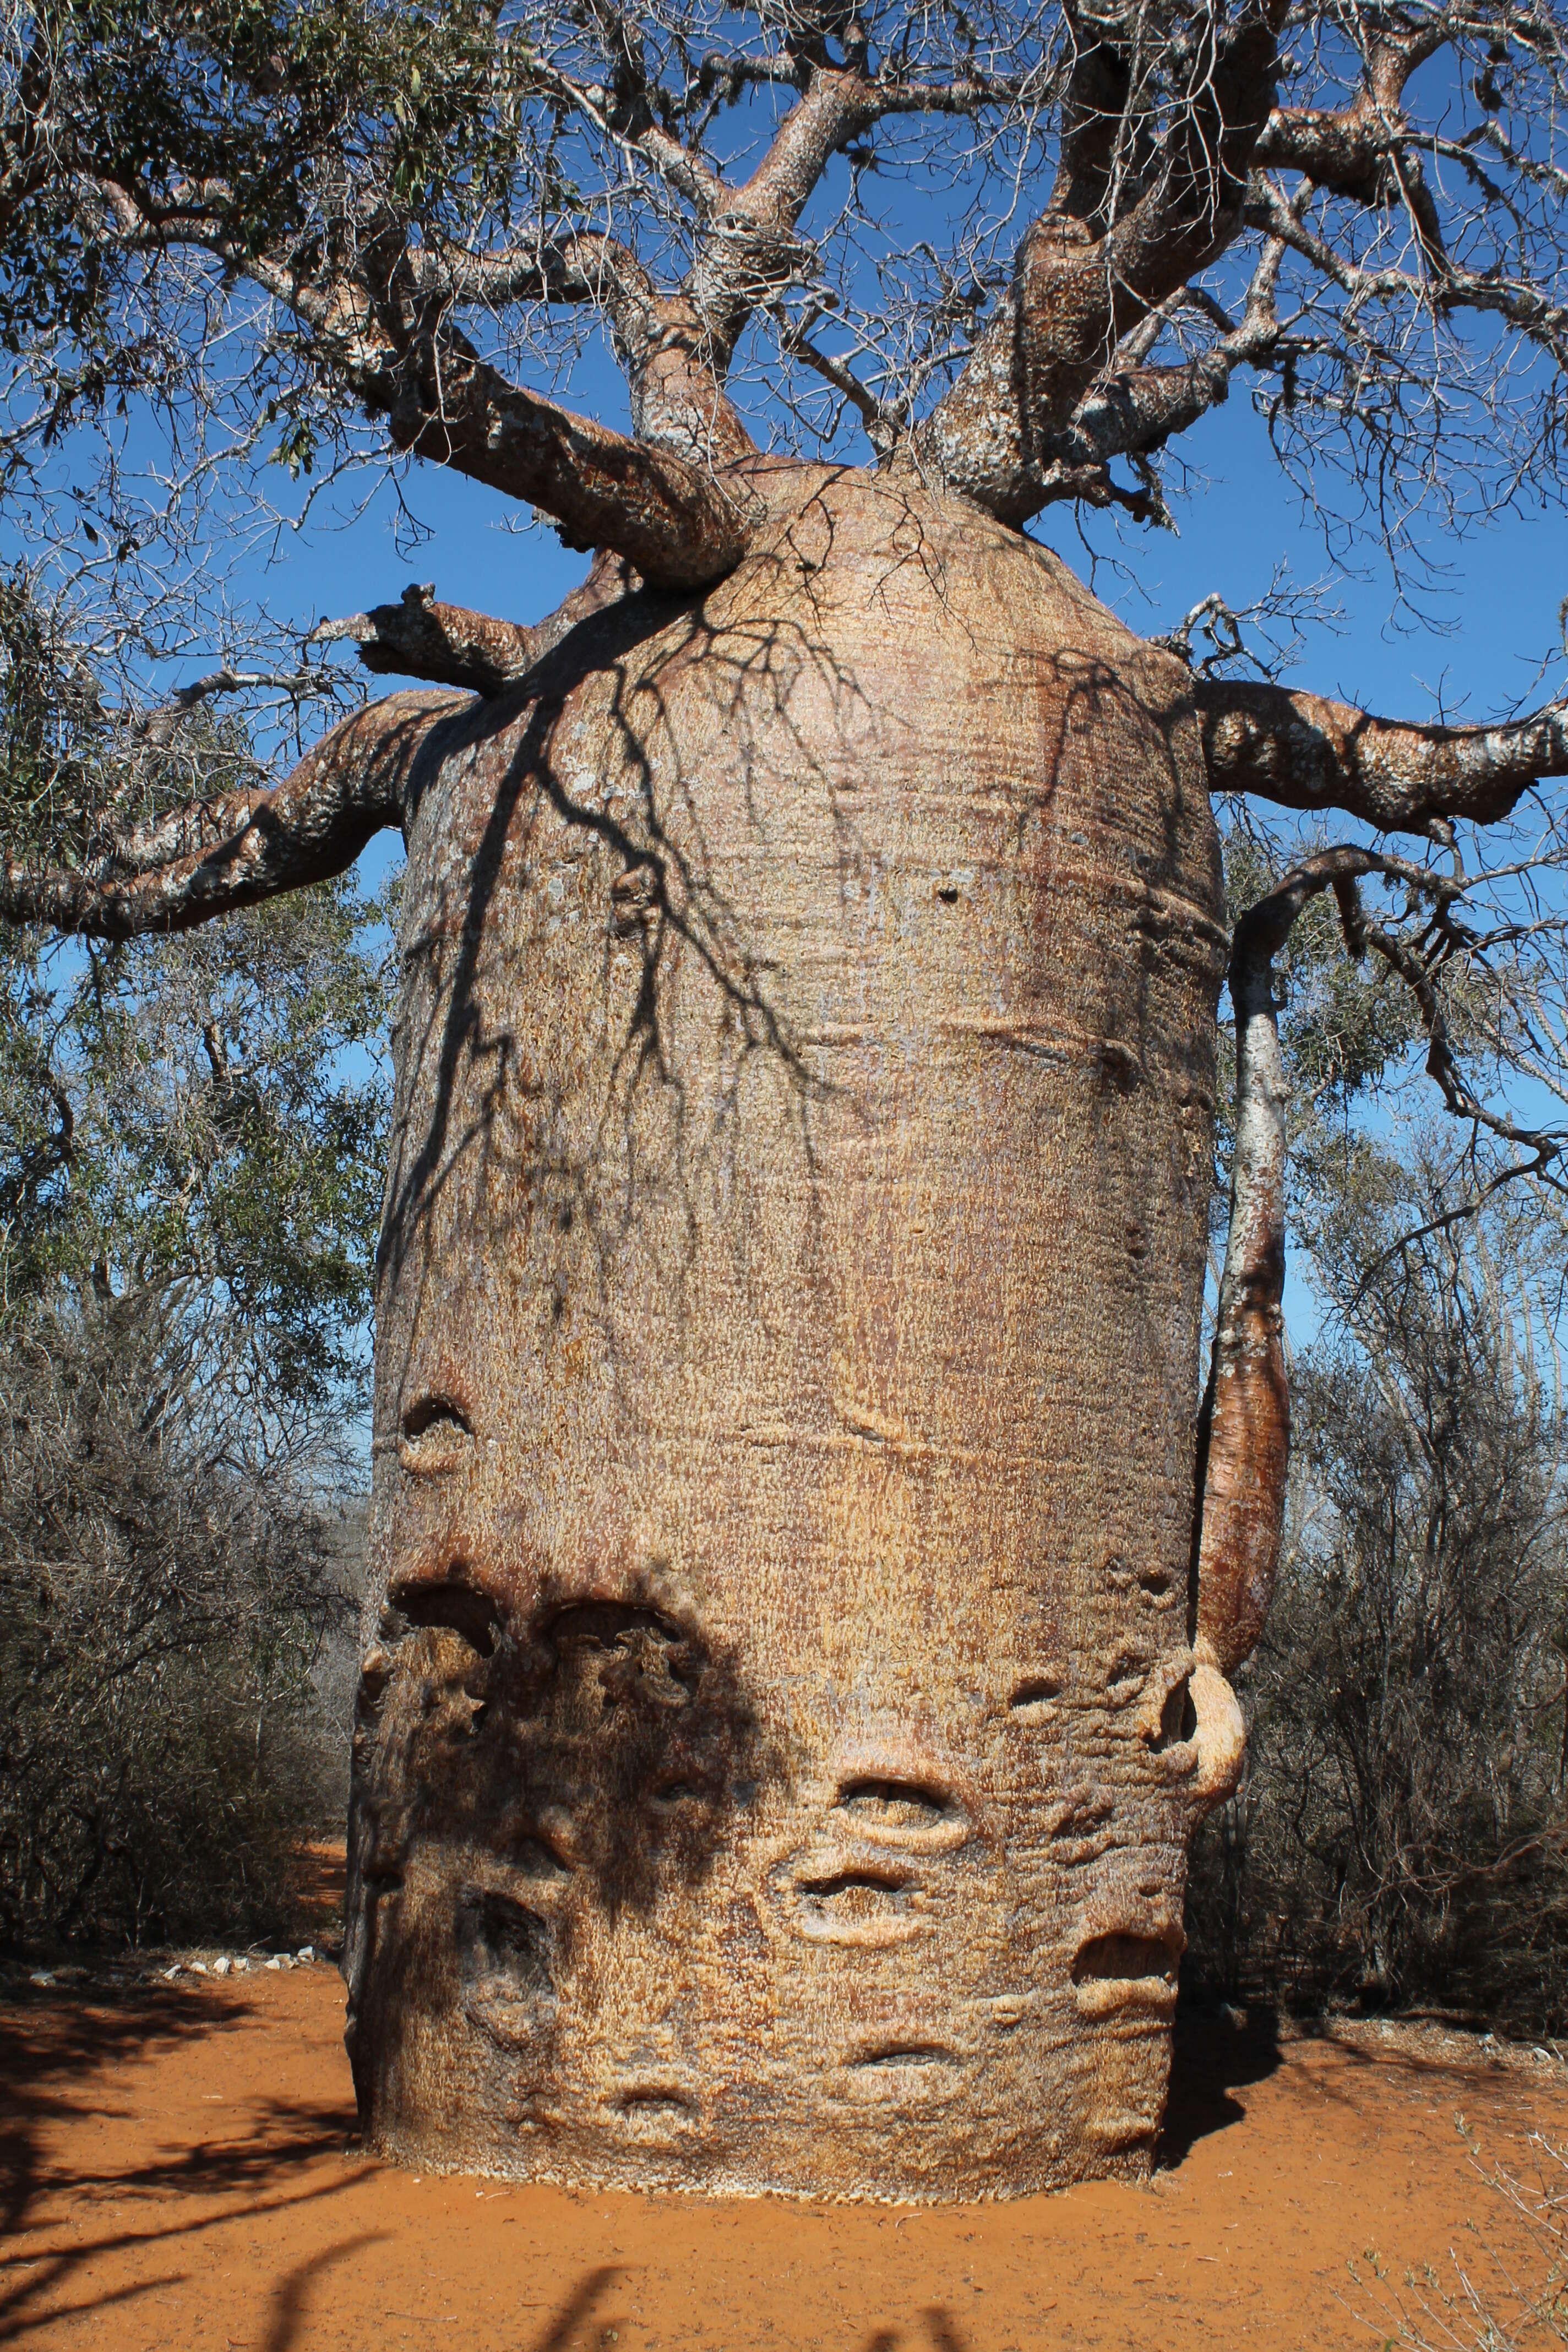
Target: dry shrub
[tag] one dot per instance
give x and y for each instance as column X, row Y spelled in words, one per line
column 164, row 1617
column 1400, row 1834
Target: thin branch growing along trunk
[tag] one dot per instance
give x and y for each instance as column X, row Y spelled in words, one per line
column 1244, row 1429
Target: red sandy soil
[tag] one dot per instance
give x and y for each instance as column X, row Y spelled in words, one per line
column 179, row 2170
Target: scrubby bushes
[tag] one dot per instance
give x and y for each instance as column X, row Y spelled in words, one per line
column 1400, row 1835
column 192, row 1132
column 163, row 1621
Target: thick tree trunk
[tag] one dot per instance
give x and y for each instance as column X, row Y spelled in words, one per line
column 777, row 1753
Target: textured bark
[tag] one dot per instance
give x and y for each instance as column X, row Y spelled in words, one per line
column 1301, row 751
column 204, row 860
column 780, row 1738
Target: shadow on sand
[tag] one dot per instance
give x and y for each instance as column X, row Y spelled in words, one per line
column 50, row 2045
column 1215, row 2051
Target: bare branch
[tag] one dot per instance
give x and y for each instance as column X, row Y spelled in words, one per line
column 1416, row 963
column 156, row 727
column 1305, row 752
column 205, row 859
column 668, row 517
column 417, row 637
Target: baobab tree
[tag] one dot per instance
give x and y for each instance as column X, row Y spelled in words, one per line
column 804, row 1581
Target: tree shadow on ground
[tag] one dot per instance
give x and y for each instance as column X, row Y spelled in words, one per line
column 1214, row 2052
column 56, row 2056
column 583, row 2322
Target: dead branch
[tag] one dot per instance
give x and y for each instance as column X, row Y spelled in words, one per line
column 1244, row 1435
column 156, row 727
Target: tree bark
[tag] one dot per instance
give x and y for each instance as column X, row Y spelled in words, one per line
column 772, row 1769
column 1303, row 750
column 204, row 860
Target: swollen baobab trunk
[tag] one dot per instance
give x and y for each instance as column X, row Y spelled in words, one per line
column 778, row 1751
column 802, row 1588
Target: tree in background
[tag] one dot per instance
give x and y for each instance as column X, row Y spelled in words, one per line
column 808, row 1591
column 1399, row 1834
column 190, row 1139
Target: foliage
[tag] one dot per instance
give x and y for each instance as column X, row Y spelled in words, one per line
column 191, row 1131
column 1402, row 1833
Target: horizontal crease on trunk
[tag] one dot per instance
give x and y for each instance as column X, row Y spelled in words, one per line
column 911, row 2053
column 1117, row 1957
column 902, row 1805
column 847, row 1882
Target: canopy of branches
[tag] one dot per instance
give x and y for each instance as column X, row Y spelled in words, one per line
column 1022, row 246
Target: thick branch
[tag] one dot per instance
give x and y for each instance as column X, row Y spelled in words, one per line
column 417, row 637
column 1136, row 409
column 750, row 253
column 205, row 859
column 1306, row 752
column 444, row 643
column 1077, row 292
column 667, row 515
column 671, row 519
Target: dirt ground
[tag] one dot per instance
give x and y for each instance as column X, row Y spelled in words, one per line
column 179, row 2172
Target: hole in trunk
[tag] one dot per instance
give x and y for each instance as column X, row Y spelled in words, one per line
column 1117, row 1957
column 847, row 1882
column 1178, row 1717
column 457, row 1608
column 437, row 1414
column 497, row 1937
column 653, row 2101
